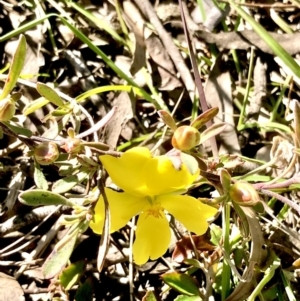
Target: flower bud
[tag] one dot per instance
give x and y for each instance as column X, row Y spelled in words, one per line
column 7, row 109
column 244, row 194
column 46, row 153
column 185, row 138
column 72, row 145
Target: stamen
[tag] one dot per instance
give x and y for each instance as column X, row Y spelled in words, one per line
column 156, row 211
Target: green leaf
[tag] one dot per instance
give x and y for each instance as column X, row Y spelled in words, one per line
column 39, row 197
column 150, row 296
column 294, row 186
column 212, row 131
column 215, row 234
column 190, row 162
column 259, row 208
column 193, row 262
column 97, row 145
column 285, row 276
column 187, row 298
column 71, row 274
column 104, row 241
column 50, row 94
column 102, row 89
column 89, row 43
column 107, row 60
column 67, row 183
column 225, row 179
column 269, row 40
column 100, row 23
column 59, row 257
column 243, row 224
column 16, row 96
column 85, row 291
column 204, row 118
column 280, row 21
column 182, row 283
column 39, row 178
column 35, row 105
column 60, row 112
column 15, row 68
column 5, row 68
column 255, row 178
column 168, row 119
column 18, row 130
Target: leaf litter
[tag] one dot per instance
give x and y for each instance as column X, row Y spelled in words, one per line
column 255, row 92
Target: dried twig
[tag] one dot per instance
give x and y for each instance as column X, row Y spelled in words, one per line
column 246, row 38
column 166, row 39
column 36, row 215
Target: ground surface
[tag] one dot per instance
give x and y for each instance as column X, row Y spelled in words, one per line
column 132, row 57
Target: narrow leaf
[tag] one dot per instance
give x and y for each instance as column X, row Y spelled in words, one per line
column 59, row 258
column 269, row 40
column 97, row 145
column 102, row 89
column 216, row 234
column 15, row 68
column 107, row 60
column 39, row 197
column 204, row 118
column 188, row 298
column 18, row 130
column 71, row 274
column 39, row 178
column 182, row 283
column 190, row 162
column 258, row 255
column 85, row 40
column 35, row 105
column 150, row 296
column 104, row 242
column 50, row 94
column 167, row 119
column 100, row 23
column 67, row 183
column 60, row 112
column 16, row 96
column 225, row 179
column 85, row 291
column 212, row 131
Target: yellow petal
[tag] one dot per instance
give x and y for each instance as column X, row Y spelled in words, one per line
column 153, row 236
column 162, row 177
column 126, row 171
column 122, row 207
column 189, row 211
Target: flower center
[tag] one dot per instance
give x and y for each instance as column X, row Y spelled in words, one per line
column 155, row 209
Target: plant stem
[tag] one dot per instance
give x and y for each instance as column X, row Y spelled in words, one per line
column 226, row 268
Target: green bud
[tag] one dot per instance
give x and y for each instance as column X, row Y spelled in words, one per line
column 185, row 138
column 46, row 153
column 72, row 145
column 7, row 109
column 244, row 194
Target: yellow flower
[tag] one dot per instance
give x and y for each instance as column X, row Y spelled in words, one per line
column 152, row 185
